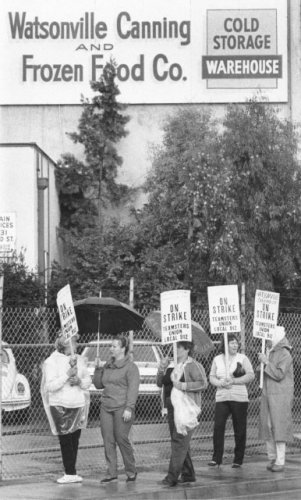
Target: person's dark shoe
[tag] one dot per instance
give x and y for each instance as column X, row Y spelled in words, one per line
column 131, row 478
column 168, row 482
column 236, row 466
column 271, row 464
column 183, row 480
column 108, row 480
column 277, row 468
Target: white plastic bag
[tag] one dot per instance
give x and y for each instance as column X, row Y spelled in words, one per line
column 186, row 411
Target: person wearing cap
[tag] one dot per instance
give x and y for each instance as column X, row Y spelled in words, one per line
column 119, row 378
column 64, row 388
column 275, row 419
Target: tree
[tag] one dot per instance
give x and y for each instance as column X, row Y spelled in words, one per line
column 227, row 199
column 85, row 186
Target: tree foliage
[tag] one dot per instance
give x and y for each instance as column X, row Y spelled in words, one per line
column 86, row 186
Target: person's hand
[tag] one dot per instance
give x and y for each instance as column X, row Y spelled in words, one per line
column 164, row 362
column 97, row 363
column 74, row 380
column 73, row 361
column 72, row 371
column 127, row 415
column 177, row 384
column 227, row 383
column 262, row 358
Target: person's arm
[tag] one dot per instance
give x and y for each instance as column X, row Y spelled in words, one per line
column 279, row 369
column 199, row 380
column 54, row 380
column 133, row 380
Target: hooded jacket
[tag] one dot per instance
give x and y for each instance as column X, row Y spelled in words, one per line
column 119, row 380
column 277, row 393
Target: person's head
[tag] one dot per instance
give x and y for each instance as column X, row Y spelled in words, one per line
column 184, row 349
column 277, row 337
column 119, row 347
column 233, row 344
column 62, row 344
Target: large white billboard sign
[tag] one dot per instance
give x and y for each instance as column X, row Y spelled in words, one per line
column 167, row 51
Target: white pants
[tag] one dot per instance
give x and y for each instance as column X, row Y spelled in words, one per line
column 275, row 449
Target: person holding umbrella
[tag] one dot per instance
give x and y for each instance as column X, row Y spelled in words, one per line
column 231, row 399
column 188, row 377
column 64, row 389
column 119, row 379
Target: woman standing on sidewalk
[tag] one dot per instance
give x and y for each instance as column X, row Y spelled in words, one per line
column 190, row 379
column 65, row 381
column 231, row 399
column 275, row 419
column 119, row 379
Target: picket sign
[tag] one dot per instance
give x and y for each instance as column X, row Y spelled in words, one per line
column 175, row 318
column 67, row 314
column 266, row 308
column 224, row 313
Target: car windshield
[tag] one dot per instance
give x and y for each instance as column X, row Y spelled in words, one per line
column 141, row 353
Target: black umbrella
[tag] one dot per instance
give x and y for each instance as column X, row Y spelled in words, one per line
column 106, row 315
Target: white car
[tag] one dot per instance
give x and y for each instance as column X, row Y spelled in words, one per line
column 15, row 387
column 146, row 356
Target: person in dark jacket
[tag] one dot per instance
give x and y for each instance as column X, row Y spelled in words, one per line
column 119, row 379
column 275, row 419
column 191, row 382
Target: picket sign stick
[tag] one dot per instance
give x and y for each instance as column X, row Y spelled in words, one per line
column 262, row 365
column 175, row 354
column 131, row 332
column 71, row 347
column 226, row 354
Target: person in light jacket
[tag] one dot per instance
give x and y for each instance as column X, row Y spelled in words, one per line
column 231, row 399
column 275, row 419
column 119, row 378
column 64, row 388
column 192, row 381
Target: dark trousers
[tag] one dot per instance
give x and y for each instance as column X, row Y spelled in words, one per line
column 180, row 460
column 69, row 447
column 238, row 411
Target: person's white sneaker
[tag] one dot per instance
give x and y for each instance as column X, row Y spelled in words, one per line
column 67, row 478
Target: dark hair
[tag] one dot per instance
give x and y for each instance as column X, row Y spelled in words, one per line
column 188, row 346
column 231, row 336
column 124, row 342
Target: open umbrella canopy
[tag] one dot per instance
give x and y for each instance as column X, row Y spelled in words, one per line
column 203, row 343
column 106, row 315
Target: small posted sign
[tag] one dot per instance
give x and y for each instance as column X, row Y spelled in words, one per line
column 66, row 311
column 175, row 316
column 265, row 314
column 224, row 309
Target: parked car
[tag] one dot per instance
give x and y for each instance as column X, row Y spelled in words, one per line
column 146, row 356
column 16, row 395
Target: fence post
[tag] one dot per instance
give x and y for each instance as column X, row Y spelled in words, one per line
column 1, row 309
column 243, row 318
column 131, row 303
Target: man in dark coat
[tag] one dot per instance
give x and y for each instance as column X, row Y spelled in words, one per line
column 275, row 419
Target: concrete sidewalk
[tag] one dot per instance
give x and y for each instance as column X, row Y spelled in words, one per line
column 251, row 481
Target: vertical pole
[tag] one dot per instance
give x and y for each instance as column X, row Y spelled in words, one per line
column 131, row 333
column 226, row 354
column 1, row 309
column 175, row 359
column 243, row 318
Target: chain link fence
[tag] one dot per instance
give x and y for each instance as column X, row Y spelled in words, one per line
column 29, row 448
